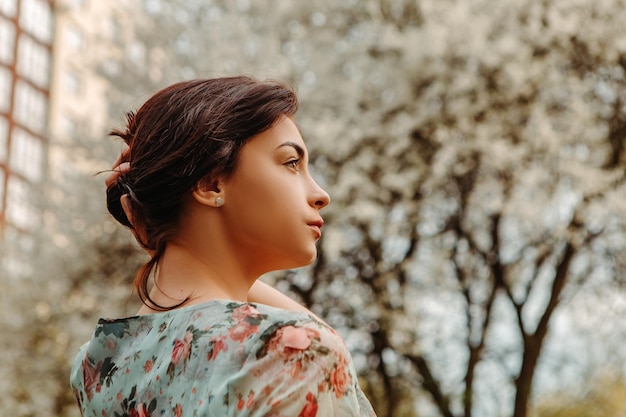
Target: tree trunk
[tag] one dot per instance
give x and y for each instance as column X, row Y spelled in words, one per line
column 533, row 343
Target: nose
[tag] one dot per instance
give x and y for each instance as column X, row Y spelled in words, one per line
column 318, row 197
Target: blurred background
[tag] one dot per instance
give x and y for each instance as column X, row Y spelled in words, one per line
column 474, row 255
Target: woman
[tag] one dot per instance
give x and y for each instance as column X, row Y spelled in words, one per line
column 215, row 186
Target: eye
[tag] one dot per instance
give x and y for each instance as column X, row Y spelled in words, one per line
column 293, row 163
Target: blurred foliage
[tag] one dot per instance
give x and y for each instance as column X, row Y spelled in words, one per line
column 605, row 397
column 64, row 308
column 473, row 257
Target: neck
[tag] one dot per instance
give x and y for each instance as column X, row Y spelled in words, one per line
column 185, row 274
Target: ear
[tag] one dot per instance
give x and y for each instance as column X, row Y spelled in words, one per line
column 126, row 208
column 209, row 193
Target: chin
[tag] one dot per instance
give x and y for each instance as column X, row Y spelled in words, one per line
column 302, row 260
column 312, row 256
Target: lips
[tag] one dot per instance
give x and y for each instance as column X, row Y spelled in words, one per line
column 317, row 226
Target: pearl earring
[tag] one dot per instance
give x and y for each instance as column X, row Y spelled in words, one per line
column 219, row 202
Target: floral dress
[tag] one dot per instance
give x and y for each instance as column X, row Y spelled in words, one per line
column 219, row 358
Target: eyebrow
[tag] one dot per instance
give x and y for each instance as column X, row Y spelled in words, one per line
column 294, row 145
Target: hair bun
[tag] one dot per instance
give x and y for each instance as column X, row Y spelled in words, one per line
column 114, row 203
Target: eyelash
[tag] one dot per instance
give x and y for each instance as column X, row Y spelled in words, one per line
column 294, row 163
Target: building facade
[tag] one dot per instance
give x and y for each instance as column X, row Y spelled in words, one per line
column 26, row 42
column 51, row 97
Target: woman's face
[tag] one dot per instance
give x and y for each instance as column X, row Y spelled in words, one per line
column 271, row 203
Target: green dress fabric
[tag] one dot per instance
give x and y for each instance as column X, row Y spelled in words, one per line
column 219, row 358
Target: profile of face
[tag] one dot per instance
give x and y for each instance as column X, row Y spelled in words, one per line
column 232, row 138
column 272, row 205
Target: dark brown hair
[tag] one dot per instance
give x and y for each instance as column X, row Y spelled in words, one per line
column 186, row 133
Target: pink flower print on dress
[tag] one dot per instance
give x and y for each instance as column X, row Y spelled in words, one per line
column 91, row 377
column 182, row 349
column 246, row 403
column 310, row 408
column 339, row 377
column 290, row 340
column 247, row 319
column 245, row 311
column 139, row 411
column 295, row 338
column 218, row 345
column 242, row 331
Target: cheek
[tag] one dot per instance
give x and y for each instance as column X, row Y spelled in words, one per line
column 261, row 201
column 256, row 192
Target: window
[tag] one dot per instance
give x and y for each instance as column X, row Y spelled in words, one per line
column 26, row 157
column 68, row 127
column 33, row 61
column 75, row 3
column 30, row 107
column 5, row 88
column 1, row 189
column 8, row 7
column 74, row 38
column 20, row 209
column 4, row 135
column 7, row 34
column 35, row 18
column 71, row 81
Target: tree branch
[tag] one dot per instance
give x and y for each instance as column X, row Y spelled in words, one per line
column 430, row 384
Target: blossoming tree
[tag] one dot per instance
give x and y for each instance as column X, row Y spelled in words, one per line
column 474, row 153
